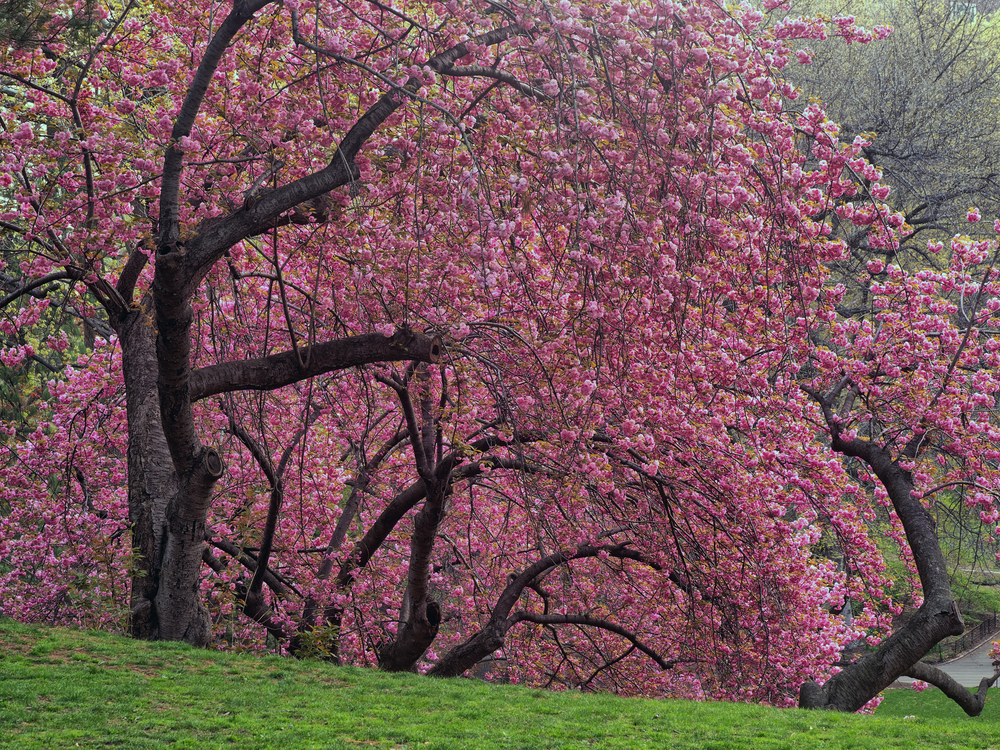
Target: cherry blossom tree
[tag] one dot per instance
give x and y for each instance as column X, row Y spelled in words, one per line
column 492, row 337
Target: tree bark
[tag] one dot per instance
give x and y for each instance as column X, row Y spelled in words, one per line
column 493, row 634
column 152, row 482
column 420, row 617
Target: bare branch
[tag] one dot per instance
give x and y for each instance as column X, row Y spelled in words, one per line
column 481, row 71
column 70, row 273
column 595, row 622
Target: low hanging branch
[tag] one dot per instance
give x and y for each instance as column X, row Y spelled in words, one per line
column 492, row 635
column 971, row 703
column 595, row 622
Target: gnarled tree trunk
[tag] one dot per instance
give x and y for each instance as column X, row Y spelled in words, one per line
column 936, row 619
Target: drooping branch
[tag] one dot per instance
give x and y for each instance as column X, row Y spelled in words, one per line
column 594, row 622
column 492, row 635
column 278, row 370
column 275, row 477
column 971, row 703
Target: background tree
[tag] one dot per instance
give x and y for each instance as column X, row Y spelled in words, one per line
column 501, row 317
column 927, row 100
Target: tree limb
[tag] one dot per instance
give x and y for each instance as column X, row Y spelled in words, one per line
column 70, row 273
column 971, row 703
column 277, row 370
column 595, row 622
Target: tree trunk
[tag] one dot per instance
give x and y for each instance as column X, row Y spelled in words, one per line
column 168, row 516
column 152, row 482
column 420, row 617
column 181, row 613
column 937, row 619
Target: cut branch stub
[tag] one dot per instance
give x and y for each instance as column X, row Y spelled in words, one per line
column 213, row 463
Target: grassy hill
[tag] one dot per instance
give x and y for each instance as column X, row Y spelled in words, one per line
column 64, row 688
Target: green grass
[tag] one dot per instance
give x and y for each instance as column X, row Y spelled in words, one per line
column 64, row 688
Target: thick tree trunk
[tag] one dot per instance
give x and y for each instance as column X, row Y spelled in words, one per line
column 180, row 611
column 182, row 615
column 152, row 482
column 939, row 616
column 465, row 656
column 168, row 537
column 897, row 655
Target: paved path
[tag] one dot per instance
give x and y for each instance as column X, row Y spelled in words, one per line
column 968, row 669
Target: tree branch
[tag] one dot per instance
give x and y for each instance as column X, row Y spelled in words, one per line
column 217, row 236
column 278, row 370
column 481, row 71
column 595, row 622
column 70, row 273
column 971, row 703
column 243, row 11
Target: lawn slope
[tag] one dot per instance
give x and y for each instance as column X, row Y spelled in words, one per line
column 64, row 688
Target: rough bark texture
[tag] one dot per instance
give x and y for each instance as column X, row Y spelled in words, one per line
column 277, row 370
column 152, row 482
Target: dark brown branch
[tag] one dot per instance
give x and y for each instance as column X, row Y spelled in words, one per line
column 218, row 236
column 408, row 498
column 491, row 637
column 971, row 703
column 361, row 482
column 130, row 274
column 401, row 504
column 274, row 479
column 416, row 443
column 70, row 273
column 253, row 604
column 278, row 585
column 595, row 622
column 243, row 11
column 481, row 71
column 278, row 370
